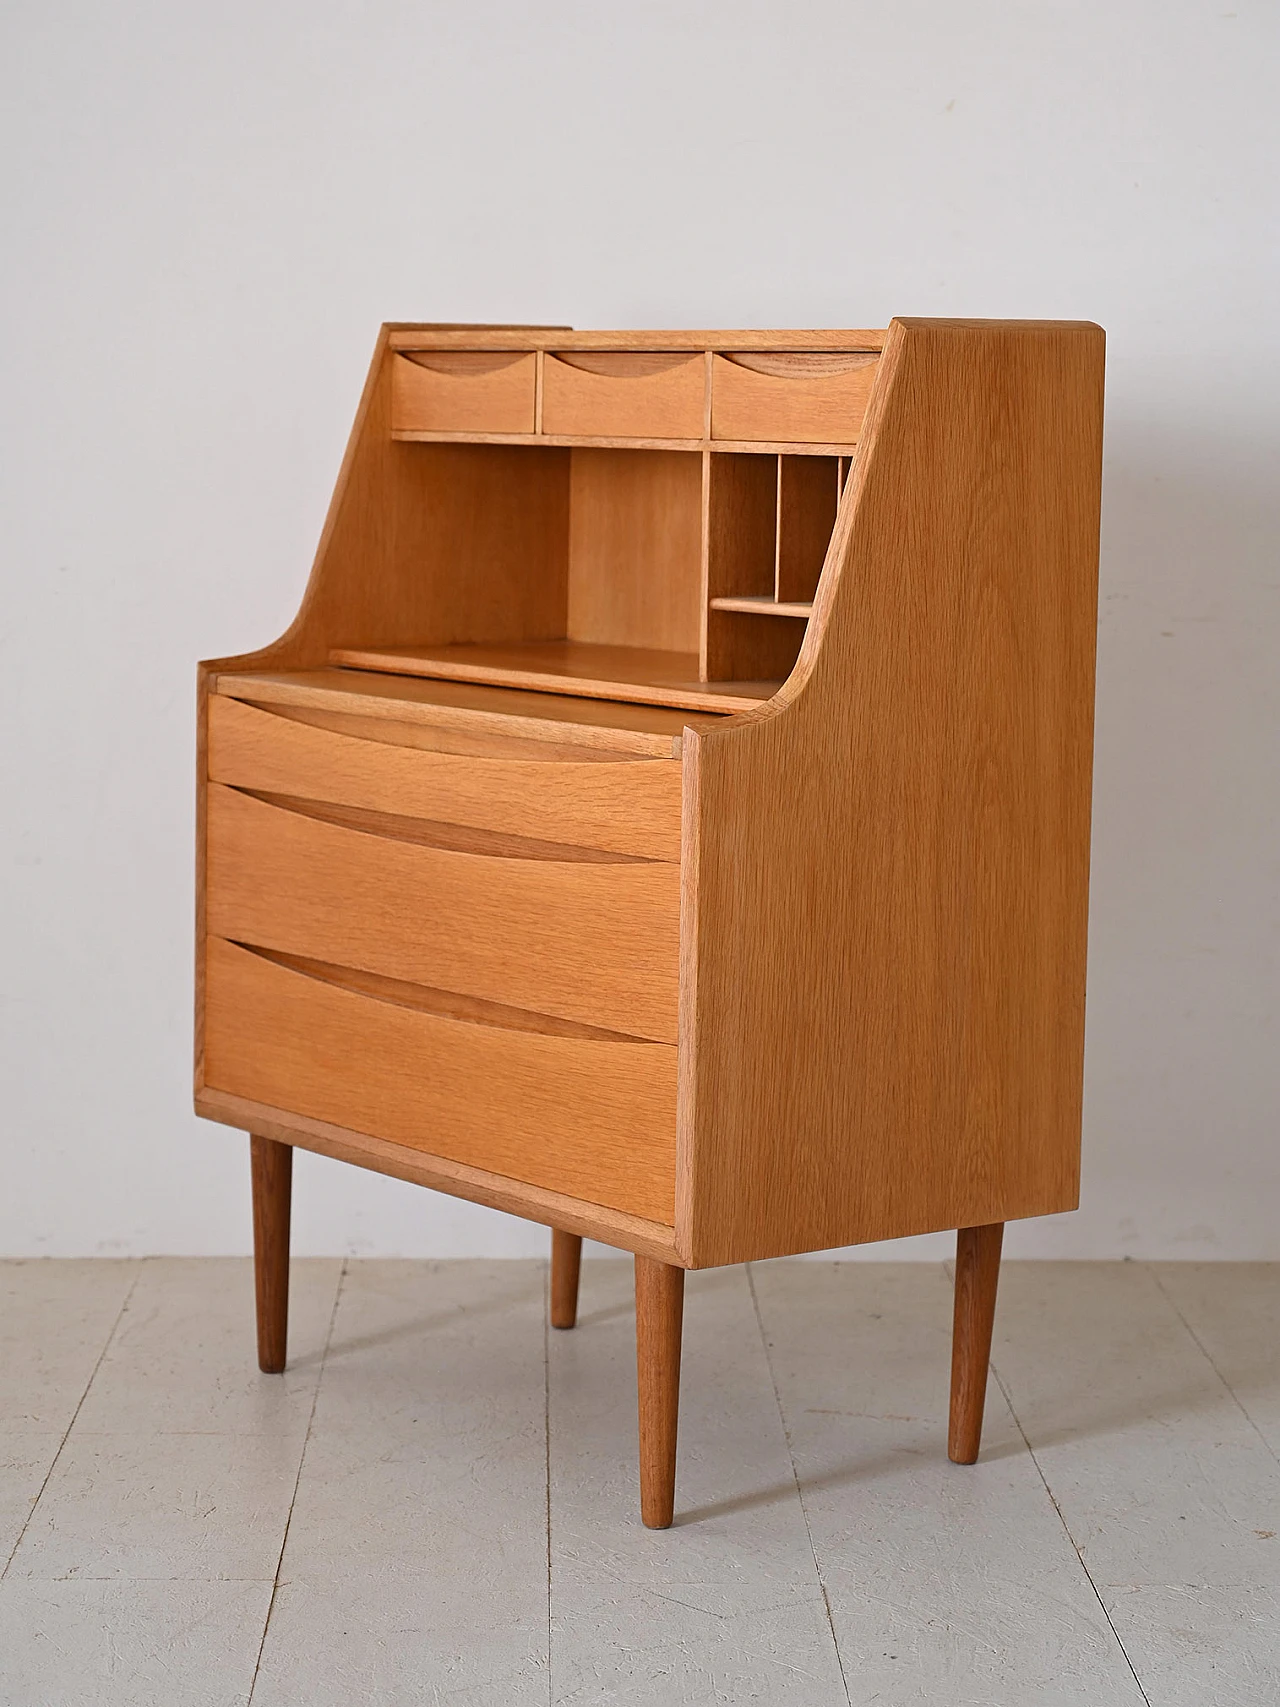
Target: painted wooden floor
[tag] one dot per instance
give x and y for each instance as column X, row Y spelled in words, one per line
column 437, row 1502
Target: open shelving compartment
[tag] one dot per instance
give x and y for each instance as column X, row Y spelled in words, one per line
column 578, row 547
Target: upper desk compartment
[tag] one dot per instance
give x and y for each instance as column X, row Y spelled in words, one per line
column 690, row 396
column 625, row 516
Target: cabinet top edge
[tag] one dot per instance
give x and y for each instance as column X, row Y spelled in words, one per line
column 401, row 337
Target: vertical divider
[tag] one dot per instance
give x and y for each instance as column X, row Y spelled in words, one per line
column 539, row 357
column 705, row 571
column 777, row 536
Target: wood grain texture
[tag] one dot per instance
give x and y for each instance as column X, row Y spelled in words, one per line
column 597, row 672
column 594, row 943
column 885, row 895
column 474, row 741
column 463, row 392
column 629, row 806
column 659, row 1328
column 405, row 337
column 791, row 399
column 635, row 542
column 757, row 606
column 271, row 1174
column 648, row 731
column 622, row 394
column 582, row 1118
column 808, row 493
column 977, row 1277
column 739, row 559
column 566, row 1263
column 625, row 1232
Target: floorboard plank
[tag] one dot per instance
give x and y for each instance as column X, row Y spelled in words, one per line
column 724, row 1606
column 947, row 1582
column 416, row 1564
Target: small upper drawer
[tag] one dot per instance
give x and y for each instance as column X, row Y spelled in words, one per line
column 462, row 391
column 790, row 398
column 628, row 806
column 624, row 394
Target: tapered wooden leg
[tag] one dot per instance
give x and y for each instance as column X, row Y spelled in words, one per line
column 659, row 1318
column 566, row 1259
column 272, row 1171
column 977, row 1273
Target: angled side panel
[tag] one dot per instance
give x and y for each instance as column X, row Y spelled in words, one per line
column 885, row 917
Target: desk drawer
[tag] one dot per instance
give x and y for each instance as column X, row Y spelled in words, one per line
column 463, row 392
column 622, row 805
column 624, row 394
column 593, row 1119
column 592, row 941
column 790, row 398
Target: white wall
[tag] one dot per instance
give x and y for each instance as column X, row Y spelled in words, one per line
column 209, row 208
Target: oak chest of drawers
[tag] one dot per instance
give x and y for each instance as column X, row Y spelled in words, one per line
column 667, row 817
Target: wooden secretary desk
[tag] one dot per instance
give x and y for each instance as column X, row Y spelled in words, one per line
column 667, row 818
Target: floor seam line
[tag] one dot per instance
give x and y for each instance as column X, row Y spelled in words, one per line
column 546, row 1436
column 62, row 1444
column 1066, row 1530
column 1208, row 1357
column 795, row 1476
column 297, row 1481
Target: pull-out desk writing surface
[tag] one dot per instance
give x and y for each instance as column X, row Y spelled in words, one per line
column 667, row 817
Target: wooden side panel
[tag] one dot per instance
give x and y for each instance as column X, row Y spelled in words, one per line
column 624, row 395
column 594, row 943
column 590, row 1119
column 886, row 904
column 635, row 524
column 627, row 806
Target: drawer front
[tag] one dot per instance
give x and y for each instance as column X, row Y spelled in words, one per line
column 595, row 942
column 463, row 392
column 619, row 394
column 623, row 805
column 790, row 399
column 592, row 1119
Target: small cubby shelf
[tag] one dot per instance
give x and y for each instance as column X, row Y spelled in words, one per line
column 625, row 523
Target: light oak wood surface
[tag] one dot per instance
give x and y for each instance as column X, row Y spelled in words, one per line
column 648, row 731
column 406, row 337
column 423, row 1167
column 622, row 394
column 596, row 943
column 580, row 1117
column 786, row 397
column 599, row 672
column 463, row 392
column 630, row 806
column 905, row 829
column 635, row 540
